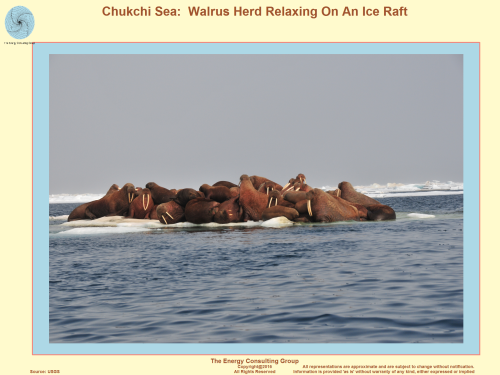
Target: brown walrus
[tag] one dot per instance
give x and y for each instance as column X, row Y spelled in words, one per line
column 275, row 199
column 216, row 193
column 295, row 196
column 159, row 193
column 229, row 211
column 348, row 193
column 79, row 212
column 326, row 209
column 170, row 213
column 267, row 187
column 363, row 212
column 201, row 210
column 301, row 179
column 185, row 195
column 115, row 204
column 227, row 184
column 141, row 207
column 253, row 202
column 277, row 211
column 257, row 181
column 379, row 212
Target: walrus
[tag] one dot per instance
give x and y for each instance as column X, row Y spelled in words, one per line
column 227, row 184
column 217, row 193
column 295, row 196
column 115, row 204
column 363, row 212
column 79, row 212
column 324, row 208
column 253, row 202
column 301, row 179
column 348, row 193
column 229, row 211
column 160, row 194
column 201, row 210
column 142, row 205
column 267, row 187
column 275, row 199
column 152, row 214
column 170, row 213
column 185, row 195
column 277, row 211
column 257, row 181
column 379, row 212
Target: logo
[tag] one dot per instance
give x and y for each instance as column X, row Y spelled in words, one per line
column 19, row 22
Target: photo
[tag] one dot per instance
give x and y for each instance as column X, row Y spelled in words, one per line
column 256, row 198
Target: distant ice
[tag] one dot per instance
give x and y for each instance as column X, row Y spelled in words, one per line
column 393, row 189
column 74, row 198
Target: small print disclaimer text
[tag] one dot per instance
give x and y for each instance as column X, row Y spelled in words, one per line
column 295, row 366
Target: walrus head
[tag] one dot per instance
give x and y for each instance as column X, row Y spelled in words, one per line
column 146, row 197
column 273, row 195
column 244, row 177
column 130, row 191
column 301, row 177
column 151, row 185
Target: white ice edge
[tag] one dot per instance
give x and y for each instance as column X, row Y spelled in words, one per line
column 421, row 216
column 119, row 224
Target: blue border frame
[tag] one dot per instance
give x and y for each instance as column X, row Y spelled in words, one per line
column 41, row 54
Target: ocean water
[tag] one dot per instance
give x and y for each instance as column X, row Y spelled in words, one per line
column 399, row 281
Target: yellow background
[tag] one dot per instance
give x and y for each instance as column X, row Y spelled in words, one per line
column 56, row 21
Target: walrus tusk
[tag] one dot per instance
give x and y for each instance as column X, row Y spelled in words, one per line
column 357, row 212
column 143, row 203
column 270, row 201
column 148, row 202
column 267, row 191
column 297, row 189
column 339, row 192
column 169, row 215
column 304, row 181
column 285, row 187
column 309, row 209
column 276, row 201
column 164, row 219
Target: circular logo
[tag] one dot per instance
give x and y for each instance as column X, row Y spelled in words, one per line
column 19, row 22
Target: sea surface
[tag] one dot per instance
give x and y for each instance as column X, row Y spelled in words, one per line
column 352, row 282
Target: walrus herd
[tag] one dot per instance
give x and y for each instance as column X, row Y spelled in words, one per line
column 255, row 198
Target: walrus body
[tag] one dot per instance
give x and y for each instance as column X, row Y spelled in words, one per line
column 253, row 202
column 379, row 212
column 185, row 195
column 327, row 209
column 348, row 193
column 275, row 199
column 79, row 212
column 257, row 181
column 159, row 193
column 227, row 184
column 295, row 196
column 216, row 193
column 170, row 213
column 201, row 210
column 115, row 204
column 141, row 207
column 229, row 212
